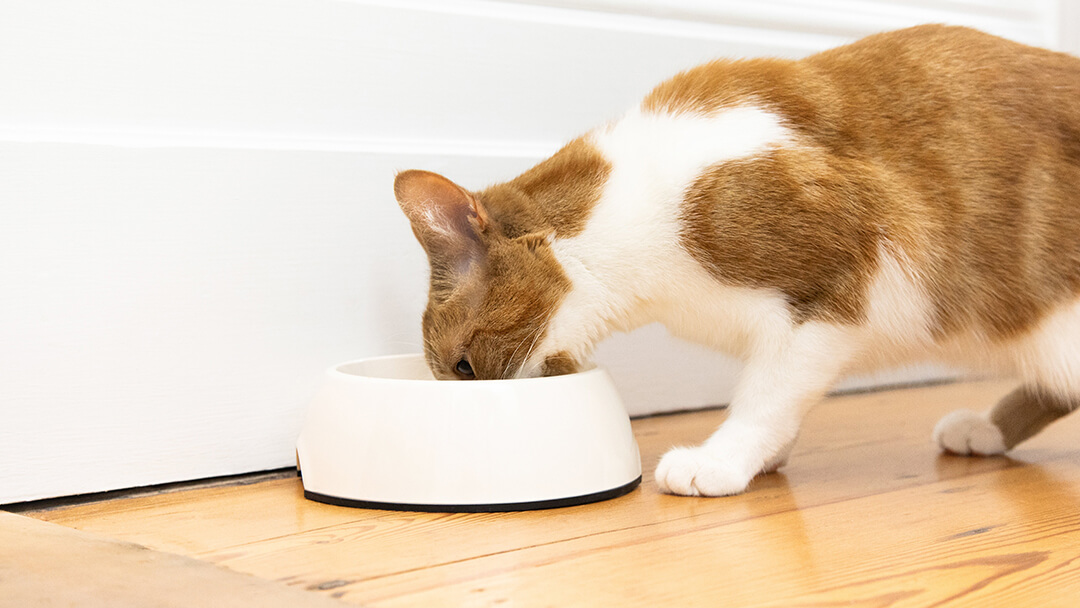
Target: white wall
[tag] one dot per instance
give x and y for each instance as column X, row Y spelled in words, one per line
column 195, row 206
column 1069, row 26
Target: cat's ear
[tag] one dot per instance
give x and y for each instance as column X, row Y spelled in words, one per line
column 446, row 218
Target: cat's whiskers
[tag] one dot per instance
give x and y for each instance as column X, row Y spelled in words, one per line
column 429, row 348
column 510, row 359
column 536, row 337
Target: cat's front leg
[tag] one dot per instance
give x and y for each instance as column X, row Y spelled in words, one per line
column 782, row 380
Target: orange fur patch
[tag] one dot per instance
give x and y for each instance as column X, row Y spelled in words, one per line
column 556, row 195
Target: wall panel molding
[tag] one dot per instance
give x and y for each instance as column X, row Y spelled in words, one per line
column 130, row 138
column 513, row 77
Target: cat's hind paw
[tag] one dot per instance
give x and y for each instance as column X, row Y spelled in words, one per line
column 968, row 433
column 697, row 472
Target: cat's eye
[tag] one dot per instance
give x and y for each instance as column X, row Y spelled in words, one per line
column 464, row 369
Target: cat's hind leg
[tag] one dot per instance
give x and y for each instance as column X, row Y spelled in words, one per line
column 780, row 383
column 1020, row 415
column 1049, row 363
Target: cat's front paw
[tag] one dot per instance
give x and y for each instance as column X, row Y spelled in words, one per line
column 966, row 432
column 698, row 472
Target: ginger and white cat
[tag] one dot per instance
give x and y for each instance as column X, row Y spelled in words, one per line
column 914, row 195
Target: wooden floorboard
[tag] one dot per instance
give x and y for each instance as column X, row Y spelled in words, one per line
column 867, row 513
column 43, row 564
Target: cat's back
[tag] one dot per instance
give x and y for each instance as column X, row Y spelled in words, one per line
column 935, row 81
column 960, row 148
column 854, row 97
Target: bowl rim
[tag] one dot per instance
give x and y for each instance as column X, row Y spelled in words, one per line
column 335, row 372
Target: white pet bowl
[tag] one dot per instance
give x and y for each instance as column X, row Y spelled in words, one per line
column 382, row 433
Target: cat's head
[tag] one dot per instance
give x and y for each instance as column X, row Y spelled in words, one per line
column 493, row 292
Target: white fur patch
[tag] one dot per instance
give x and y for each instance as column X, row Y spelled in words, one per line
column 899, row 313
column 627, row 267
column 656, row 157
column 1050, row 355
column 965, row 432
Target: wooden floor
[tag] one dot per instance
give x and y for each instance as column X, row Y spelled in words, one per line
column 867, row 513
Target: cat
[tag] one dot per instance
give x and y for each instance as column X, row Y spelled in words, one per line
column 913, row 195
